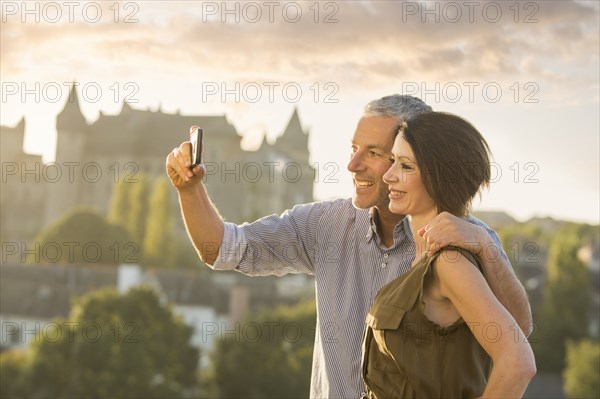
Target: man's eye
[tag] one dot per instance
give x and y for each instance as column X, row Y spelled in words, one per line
column 374, row 154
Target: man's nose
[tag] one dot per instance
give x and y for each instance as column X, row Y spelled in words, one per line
column 356, row 164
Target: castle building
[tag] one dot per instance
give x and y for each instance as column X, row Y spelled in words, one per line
column 92, row 157
column 22, row 193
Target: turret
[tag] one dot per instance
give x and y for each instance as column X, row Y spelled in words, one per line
column 294, row 140
column 70, row 119
column 71, row 137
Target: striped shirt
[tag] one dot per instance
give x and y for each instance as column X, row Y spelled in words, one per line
column 339, row 245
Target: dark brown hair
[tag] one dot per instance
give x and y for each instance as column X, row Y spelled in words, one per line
column 453, row 158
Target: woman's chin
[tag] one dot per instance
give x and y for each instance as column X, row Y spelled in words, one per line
column 399, row 210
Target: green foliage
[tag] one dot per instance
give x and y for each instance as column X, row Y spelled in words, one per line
column 268, row 356
column 582, row 374
column 529, row 230
column 566, row 301
column 159, row 249
column 83, row 236
column 186, row 256
column 129, row 206
column 139, row 199
column 145, row 210
column 120, row 204
column 114, row 346
column 13, row 366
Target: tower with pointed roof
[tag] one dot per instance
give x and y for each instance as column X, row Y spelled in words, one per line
column 293, row 145
column 294, row 140
column 71, row 130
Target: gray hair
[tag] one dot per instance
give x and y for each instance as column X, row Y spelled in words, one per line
column 398, row 106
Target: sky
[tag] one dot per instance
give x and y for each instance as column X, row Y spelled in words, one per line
column 525, row 73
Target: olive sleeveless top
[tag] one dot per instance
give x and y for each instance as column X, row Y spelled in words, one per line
column 405, row 355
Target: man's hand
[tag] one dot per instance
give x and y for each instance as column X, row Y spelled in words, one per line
column 179, row 167
column 447, row 229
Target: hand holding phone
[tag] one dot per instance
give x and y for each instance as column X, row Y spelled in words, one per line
column 197, row 140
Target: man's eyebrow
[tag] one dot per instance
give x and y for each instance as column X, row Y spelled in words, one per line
column 376, row 146
column 370, row 146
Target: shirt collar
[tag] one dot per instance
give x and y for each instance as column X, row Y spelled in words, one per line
column 400, row 230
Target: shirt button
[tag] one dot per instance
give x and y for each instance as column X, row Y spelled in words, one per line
column 384, row 265
column 385, row 256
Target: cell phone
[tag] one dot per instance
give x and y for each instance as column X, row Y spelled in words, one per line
column 197, row 139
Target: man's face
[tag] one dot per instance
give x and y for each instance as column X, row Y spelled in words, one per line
column 370, row 159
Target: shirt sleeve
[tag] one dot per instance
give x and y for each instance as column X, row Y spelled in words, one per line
column 497, row 250
column 273, row 245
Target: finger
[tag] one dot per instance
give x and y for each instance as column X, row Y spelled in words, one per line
column 422, row 231
column 185, row 153
column 438, row 240
column 428, row 246
column 433, row 248
column 179, row 164
column 199, row 171
column 183, row 158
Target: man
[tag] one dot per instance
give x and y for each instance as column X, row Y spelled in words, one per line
column 352, row 247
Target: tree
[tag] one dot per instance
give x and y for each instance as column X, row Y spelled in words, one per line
column 129, row 207
column 138, row 206
column 84, row 236
column 582, row 374
column 158, row 243
column 186, row 256
column 268, row 356
column 120, row 203
column 13, row 368
column 113, row 345
column 566, row 301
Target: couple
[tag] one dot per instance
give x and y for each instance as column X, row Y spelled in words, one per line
column 356, row 247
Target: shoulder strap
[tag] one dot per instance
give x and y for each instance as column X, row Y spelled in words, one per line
column 467, row 254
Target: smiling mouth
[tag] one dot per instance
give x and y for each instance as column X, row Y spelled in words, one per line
column 363, row 183
column 396, row 194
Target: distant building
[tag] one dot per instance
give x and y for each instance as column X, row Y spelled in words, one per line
column 23, row 193
column 91, row 157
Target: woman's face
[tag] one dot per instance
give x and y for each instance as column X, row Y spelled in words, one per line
column 407, row 192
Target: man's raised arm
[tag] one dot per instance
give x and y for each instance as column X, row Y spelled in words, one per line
column 202, row 220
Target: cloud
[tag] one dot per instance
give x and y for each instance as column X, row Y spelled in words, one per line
column 374, row 42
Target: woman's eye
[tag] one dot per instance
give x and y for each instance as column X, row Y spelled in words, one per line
column 406, row 166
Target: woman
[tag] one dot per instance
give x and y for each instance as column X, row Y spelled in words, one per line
column 438, row 331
